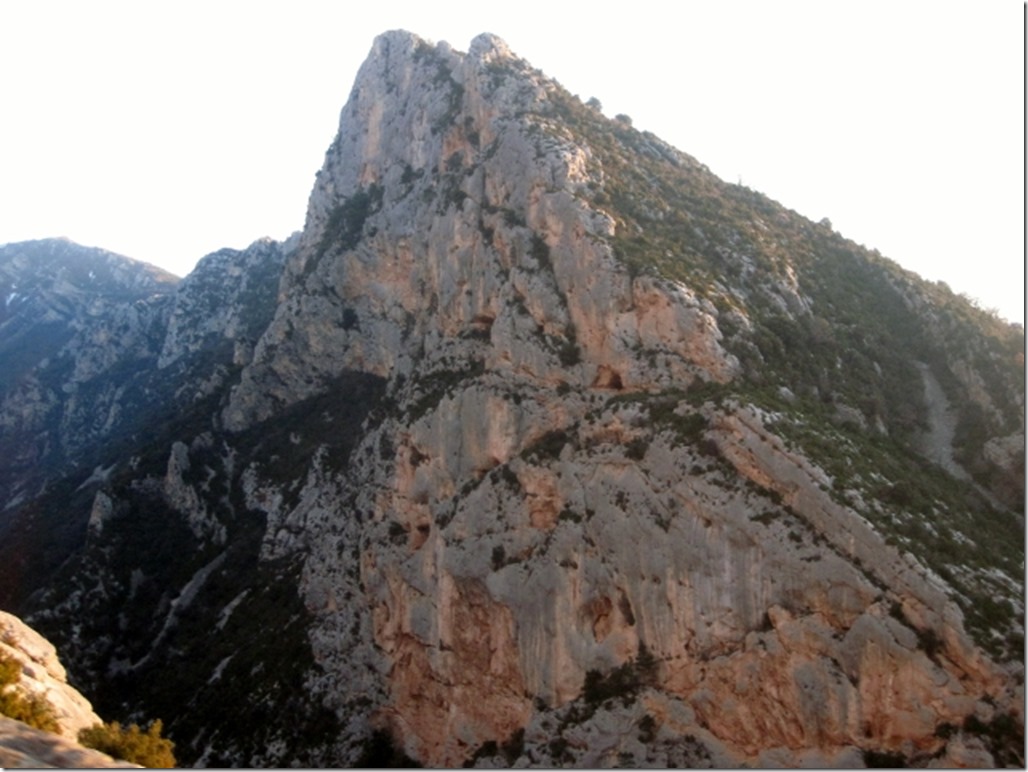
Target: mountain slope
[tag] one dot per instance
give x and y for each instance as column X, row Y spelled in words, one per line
column 105, row 354
column 551, row 447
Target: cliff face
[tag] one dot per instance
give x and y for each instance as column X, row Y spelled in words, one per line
column 549, row 447
column 451, row 208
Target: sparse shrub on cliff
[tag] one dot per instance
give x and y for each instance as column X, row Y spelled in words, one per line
column 514, row 746
column 32, row 710
column 499, row 557
column 131, row 743
column 509, row 751
column 346, row 222
column 623, row 681
column 647, row 729
column 381, row 752
column 549, row 446
column 884, row 760
column 569, row 515
column 1003, row 737
column 636, row 449
column 569, row 352
column 558, row 748
column 647, row 667
column 540, row 250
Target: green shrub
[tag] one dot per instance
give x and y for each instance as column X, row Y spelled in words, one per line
column 549, row 446
column 540, row 250
column 346, row 222
column 622, row 682
column 499, row 557
column 570, row 515
column 647, row 729
column 33, row 710
column 636, row 449
column 380, row 751
column 131, row 743
column 884, row 759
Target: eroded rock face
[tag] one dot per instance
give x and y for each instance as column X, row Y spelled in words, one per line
column 519, row 527
column 445, row 221
column 225, row 301
column 520, row 477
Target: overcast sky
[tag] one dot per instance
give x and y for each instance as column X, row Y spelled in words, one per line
column 167, row 130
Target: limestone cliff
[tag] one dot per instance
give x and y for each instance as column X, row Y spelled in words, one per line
column 551, row 448
column 526, row 516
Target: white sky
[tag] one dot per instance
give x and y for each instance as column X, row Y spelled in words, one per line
column 165, row 131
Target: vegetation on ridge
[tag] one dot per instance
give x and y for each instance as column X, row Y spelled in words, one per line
column 830, row 336
column 148, row 749
column 33, row 709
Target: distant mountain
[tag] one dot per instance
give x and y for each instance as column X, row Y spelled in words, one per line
column 53, row 287
column 539, row 445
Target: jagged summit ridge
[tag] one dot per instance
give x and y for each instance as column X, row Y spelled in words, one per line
column 488, row 47
column 451, row 194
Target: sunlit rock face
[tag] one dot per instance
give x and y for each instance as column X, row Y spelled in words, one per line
column 541, row 445
column 525, row 519
column 43, row 675
column 447, row 226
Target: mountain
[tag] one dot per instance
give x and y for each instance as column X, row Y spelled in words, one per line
column 539, row 445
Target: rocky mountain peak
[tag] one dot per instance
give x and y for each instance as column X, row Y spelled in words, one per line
column 488, row 47
column 450, row 204
column 540, row 445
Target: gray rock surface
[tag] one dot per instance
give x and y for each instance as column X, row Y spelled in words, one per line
column 22, row 747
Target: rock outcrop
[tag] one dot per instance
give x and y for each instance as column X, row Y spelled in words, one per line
column 22, row 747
column 44, row 677
column 42, row 674
column 541, row 445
